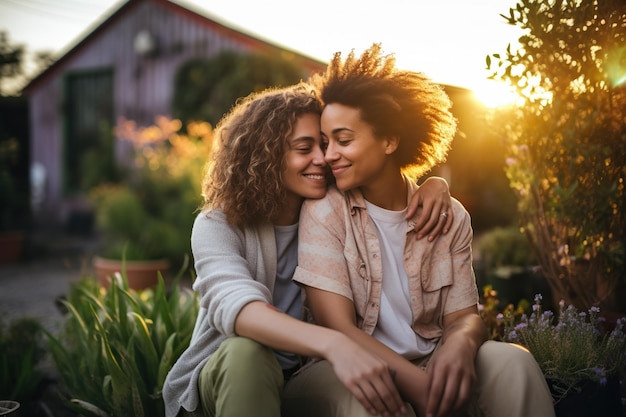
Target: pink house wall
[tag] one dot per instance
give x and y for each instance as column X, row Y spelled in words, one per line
column 143, row 86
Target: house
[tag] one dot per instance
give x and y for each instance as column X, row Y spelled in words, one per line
column 123, row 68
column 126, row 66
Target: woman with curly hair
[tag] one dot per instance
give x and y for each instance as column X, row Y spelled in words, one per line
column 250, row 336
column 412, row 303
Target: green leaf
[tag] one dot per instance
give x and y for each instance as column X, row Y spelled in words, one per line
column 166, row 362
column 89, row 409
column 144, row 343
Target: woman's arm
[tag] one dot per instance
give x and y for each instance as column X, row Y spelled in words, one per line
column 426, row 208
column 365, row 375
column 337, row 312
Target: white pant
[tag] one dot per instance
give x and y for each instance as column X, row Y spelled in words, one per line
column 510, row 384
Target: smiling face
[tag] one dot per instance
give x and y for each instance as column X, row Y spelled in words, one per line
column 305, row 170
column 355, row 155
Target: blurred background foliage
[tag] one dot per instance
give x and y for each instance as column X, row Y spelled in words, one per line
column 206, row 88
column 149, row 215
column 566, row 143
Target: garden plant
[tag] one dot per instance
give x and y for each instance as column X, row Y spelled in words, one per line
column 576, row 351
column 149, row 215
column 118, row 345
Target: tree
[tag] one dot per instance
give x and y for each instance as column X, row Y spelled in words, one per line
column 11, row 61
column 205, row 89
column 15, row 70
column 566, row 145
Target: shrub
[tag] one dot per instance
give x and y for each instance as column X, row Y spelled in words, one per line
column 566, row 147
column 505, row 246
column 150, row 215
column 125, row 342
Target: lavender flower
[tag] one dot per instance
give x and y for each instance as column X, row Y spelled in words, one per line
column 569, row 347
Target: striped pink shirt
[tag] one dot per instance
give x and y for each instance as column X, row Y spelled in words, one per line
column 339, row 252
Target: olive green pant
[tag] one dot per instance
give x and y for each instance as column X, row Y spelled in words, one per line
column 510, row 384
column 241, row 379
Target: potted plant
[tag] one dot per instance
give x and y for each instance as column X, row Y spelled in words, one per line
column 580, row 356
column 13, row 204
column 134, row 242
column 147, row 219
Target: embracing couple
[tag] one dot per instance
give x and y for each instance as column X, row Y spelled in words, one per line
column 330, row 284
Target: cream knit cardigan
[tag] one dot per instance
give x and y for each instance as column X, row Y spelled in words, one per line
column 234, row 267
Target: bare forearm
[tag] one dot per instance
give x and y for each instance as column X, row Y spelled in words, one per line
column 469, row 330
column 263, row 323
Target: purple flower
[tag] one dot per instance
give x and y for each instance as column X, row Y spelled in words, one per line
column 546, row 332
column 617, row 331
column 601, row 372
column 500, row 316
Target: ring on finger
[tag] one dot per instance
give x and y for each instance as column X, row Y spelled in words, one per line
column 444, row 213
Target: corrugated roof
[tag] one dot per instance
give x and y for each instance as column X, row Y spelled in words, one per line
column 201, row 17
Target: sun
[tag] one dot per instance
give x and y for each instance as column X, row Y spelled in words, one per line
column 495, row 94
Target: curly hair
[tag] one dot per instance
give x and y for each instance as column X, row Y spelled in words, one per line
column 393, row 102
column 244, row 176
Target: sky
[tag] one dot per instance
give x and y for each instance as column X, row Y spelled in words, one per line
column 446, row 39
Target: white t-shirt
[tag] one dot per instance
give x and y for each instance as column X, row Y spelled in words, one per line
column 395, row 317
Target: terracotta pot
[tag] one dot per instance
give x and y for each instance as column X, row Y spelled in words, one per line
column 140, row 274
column 9, row 408
column 11, row 245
